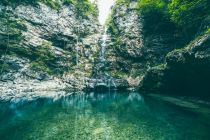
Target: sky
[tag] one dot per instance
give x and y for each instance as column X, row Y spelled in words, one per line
column 104, row 7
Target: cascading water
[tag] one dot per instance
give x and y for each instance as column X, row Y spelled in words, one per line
column 101, row 62
column 103, row 45
column 103, row 79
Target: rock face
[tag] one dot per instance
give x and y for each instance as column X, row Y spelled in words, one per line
column 42, row 47
column 46, row 49
column 153, row 53
column 52, row 49
column 101, row 79
column 106, row 84
column 138, row 42
column 186, row 69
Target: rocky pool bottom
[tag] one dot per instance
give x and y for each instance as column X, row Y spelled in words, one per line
column 105, row 116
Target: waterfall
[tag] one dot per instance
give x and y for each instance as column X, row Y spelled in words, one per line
column 102, row 79
column 101, row 62
column 113, row 83
column 77, row 54
column 103, row 45
column 77, row 46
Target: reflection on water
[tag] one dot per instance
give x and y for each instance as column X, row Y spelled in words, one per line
column 108, row 116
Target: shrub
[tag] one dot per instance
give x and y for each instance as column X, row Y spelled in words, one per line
column 187, row 15
column 83, row 7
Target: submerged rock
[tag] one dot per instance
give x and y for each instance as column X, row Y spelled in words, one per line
column 106, row 84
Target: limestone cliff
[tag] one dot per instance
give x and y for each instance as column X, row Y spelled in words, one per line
column 151, row 46
column 138, row 41
column 44, row 48
column 186, row 70
column 56, row 45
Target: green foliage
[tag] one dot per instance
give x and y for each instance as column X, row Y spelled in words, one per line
column 185, row 12
column 15, row 2
column 4, row 67
column 117, row 73
column 153, row 11
column 83, row 7
column 208, row 31
column 40, row 66
column 124, row 2
column 187, row 15
column 52, row 3
column 152, row 4
column 112, row 27
column 10, row 33
column 43, row 58
column 67, row 2
column 10, row 27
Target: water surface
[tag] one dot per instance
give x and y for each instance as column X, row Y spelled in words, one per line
column 97, row 116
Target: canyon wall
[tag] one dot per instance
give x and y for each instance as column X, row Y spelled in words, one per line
column 155, row 49
column 44, row 47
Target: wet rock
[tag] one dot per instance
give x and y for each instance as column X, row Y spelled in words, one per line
column 106, row 84
column 185, row 71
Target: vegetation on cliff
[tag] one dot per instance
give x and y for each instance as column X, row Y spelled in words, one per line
column 184, row 69
column 49, row 52
column 191, row 17
column 167, row 26
column 83, row 7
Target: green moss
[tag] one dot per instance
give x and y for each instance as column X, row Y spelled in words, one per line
column 19, row 50
column 45, row 60
column 4, row 67
column 185, row 11
column 208, row 31
column 159, row 67
column 186, row 15
column 112, row 27
column 188, row 47
column 43, row 57
column 52, row 3
column 11, row 35
column 18, row 2
column 67, row 2
column 40, row 66
column 11, row 28
column 117, row 73
column 155, row 4
column 123, row 2
column 83, row 7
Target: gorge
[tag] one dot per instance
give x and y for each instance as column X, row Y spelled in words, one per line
column 103, row 67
